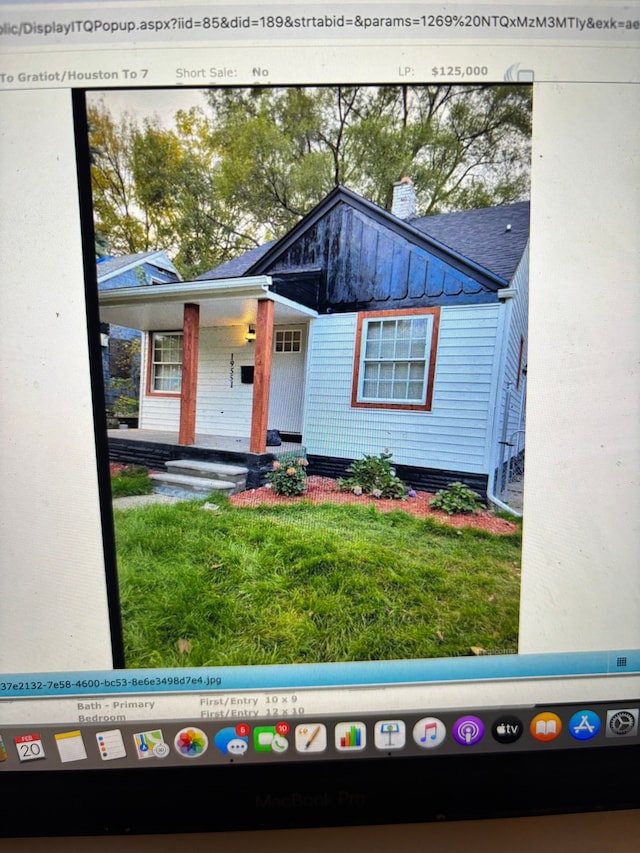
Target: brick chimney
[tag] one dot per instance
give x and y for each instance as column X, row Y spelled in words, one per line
column 404, row 199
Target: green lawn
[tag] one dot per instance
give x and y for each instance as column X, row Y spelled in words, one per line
column 130, row 480
column 303, row 583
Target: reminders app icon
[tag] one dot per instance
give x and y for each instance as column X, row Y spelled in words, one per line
column 111, row 745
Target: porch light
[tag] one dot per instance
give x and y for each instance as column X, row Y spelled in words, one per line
column 251, row 333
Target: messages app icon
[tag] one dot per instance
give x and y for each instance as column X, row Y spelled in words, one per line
column 233, row 741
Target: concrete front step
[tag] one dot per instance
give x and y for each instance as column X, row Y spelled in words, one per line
column 210, row 471
column 170, row 483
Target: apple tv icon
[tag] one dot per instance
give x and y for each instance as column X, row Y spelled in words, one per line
column 507, row 729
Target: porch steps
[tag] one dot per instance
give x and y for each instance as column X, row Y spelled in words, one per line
column 195, row 478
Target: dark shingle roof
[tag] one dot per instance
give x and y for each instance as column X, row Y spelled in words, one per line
column 483, row 235
column 237, row 267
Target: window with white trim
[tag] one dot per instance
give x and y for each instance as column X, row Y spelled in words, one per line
column 287, row 340
column 166, row 362
column 394, row 359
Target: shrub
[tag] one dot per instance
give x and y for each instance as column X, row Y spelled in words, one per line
column 288, row 476
column 374, row 475
column 456, row 499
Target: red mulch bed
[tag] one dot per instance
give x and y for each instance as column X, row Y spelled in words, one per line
column 324, row 489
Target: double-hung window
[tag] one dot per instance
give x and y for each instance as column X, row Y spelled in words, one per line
column 165, row 374
column 395, row 359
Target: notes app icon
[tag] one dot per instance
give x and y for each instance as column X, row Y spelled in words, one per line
column 429, row 732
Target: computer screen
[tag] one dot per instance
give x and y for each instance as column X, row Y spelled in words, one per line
column 290, row 292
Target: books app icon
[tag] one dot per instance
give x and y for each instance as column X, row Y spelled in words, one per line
column 545, row 727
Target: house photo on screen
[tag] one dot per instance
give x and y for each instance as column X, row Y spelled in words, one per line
column 313, row 323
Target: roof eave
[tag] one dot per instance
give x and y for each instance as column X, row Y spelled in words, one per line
column 257, row 286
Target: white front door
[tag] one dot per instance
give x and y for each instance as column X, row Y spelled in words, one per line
column 286, row 393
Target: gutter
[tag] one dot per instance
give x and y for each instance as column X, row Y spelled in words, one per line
column 256, row 286
column 506, row 295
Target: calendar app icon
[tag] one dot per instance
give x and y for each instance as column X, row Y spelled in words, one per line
column 29, row 747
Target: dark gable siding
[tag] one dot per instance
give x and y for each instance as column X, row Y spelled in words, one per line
column 303, row 287
column 347, row 261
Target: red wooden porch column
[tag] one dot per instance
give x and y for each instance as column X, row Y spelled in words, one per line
column 262, row 376
column 188, row 394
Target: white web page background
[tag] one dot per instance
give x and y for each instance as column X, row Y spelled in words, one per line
column 580, row 584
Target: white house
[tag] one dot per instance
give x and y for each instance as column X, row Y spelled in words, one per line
column 357, row 331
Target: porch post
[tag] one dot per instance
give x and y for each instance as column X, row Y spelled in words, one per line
column 188, row 394
column 262, row 376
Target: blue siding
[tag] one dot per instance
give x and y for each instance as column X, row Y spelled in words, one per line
column 141, row 275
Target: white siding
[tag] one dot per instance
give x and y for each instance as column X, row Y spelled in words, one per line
column 224, row 403
column 222, row 408
column 451, row 436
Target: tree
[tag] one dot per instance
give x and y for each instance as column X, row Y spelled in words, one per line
column 155, row 188
column 249, row 164
column 285, row 148
column 462, row 146
column 117, row 219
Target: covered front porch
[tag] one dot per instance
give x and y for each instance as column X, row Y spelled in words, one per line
column 211, row 318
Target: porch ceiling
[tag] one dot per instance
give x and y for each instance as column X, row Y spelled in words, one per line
column 227, row 302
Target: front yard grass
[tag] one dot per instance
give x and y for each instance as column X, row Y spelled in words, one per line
column 130, row 480
column 308, row 584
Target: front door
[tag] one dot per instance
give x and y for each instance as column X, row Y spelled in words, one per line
column 286, row 394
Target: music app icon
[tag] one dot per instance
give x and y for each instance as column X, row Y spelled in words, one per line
column 429, row 732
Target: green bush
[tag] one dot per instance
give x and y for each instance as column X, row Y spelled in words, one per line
column 288, row 476
column 374, row 475
column 456, row 499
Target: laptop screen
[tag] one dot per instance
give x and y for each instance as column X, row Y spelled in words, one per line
column 291, row 294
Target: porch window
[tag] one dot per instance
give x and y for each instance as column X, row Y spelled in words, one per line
column 287, row 340
column 166, row 363
column 395, row 359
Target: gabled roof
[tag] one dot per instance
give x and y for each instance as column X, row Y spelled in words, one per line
column 479, row 237
column 109, row 267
